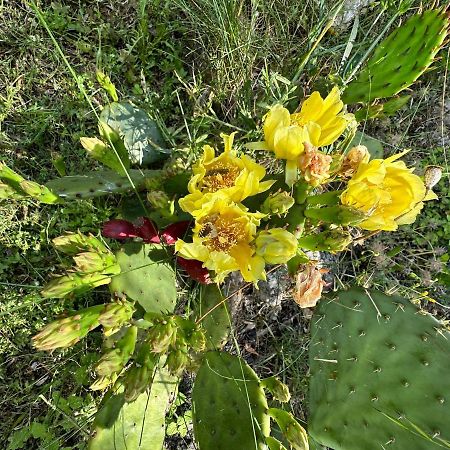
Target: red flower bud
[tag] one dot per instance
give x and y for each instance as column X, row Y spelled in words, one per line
column 195, row 270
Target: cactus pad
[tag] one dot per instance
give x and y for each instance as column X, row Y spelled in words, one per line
column 146, row 277
column 139, row 424
column 401, row 58
column 378, row 374
column 140, row 134
column 229, row 413
column 98, row 183
column 216, row 323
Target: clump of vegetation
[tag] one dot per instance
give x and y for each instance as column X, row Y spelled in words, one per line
column 115, row 264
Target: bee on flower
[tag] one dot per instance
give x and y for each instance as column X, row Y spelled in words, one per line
column 222, row 239
column 232, row 176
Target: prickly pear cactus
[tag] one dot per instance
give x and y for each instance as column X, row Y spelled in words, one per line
column 401, row 58
column 229, row 413
column 139, row 424
column 146, row 277
column 98, row 183
column 217, row 322
column 141, row 135
column 378, row 374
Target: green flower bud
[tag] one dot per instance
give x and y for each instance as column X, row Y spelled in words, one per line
column 139, row 376
column 74, row 283
column 94, row 146
column 89, row 262
column 177, row 361
column 103, row 382
column 276, row 245
column 161, row 337
column 115, row 359
column 116, row 314
column 73, row 243
column 332, row 241
column 197, row 340
column 337, row 215
column 277, row 203
column 39, row 192
column 158, row 199
column 278, row 389
column 291, row 429
column 108, row 133
column 274, row 444
column 8, row 192
column 68, row 331
column 174, row 166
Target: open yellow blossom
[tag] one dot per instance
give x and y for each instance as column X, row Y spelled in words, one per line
column 319, row 122
column 388, row 192
column 236, row 177
column 222, row 239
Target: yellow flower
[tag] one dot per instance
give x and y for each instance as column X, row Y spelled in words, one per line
column 222, row 239
column 320, row 122
column 356, row 155
column 388, row 192
column 235, row 177
column 276, row 246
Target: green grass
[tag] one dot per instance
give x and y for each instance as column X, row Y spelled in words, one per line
column 199, row 68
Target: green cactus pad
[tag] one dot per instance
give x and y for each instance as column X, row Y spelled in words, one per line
column 141, row 135
column 401, row 58
column 229, row 413
column 216, row 323
column 136, row 425
column 146, row 277
column 98, row 183
column 379, row 374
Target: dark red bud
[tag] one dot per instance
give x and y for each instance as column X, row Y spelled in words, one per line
column 175, row 231
column 195, row 270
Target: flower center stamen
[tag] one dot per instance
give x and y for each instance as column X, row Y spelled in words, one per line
column 221, row 234
column 220, row 176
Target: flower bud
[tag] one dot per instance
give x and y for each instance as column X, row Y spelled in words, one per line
column 177, row 361
column 102, row 383
column 276, row 245
column 136, row 382
column 116, row 314
column 355, row 156
column 158, row 199
column 73, row 243
column 291, row 429
column 277, row 203
column 278, row 389
column 161, row 337
column 108, row 133
column 89, row 262
column 174, row 166
column 94, row 146
column 68, row 331
column 77, row 283
column 115, row 359
column 433, row 175
column 197, row 340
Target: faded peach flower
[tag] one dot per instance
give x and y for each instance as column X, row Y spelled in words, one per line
column 356, row 155
column 314, row 165
column 308, row 286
